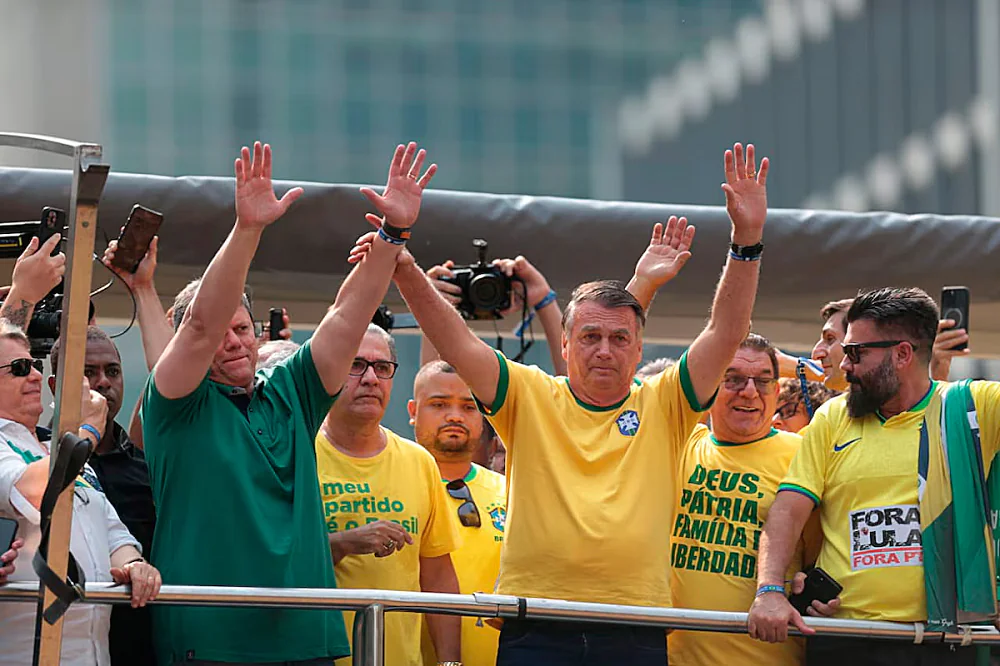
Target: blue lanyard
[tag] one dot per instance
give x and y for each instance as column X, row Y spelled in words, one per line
column 800, row 372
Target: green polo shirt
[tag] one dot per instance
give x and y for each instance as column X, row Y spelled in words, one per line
column 238, row 504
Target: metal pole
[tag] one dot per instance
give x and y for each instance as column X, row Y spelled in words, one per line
column 372, row 651
column 88, row 183
column 357, row 656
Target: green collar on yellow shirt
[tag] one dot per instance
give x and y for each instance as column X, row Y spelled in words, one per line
column 468, row 477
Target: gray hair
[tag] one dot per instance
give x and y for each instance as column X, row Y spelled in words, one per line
column 654, row 367
column 184, row 297
column 11, row 331
column 275, row 352
column 389, row 341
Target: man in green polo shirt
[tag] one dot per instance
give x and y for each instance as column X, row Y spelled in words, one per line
column 230, row 452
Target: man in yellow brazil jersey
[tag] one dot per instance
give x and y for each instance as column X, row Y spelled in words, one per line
column 591, row 457
column 875, row 463
column 447, row 423
column 727, row 479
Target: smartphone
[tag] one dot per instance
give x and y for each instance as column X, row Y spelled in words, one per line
column 819, row 586
column 955, row 306
column 8, row 532
column 53, row 221
column 135, row 237
column 277, row 323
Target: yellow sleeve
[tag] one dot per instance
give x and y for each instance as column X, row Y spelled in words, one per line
column 513, row 383
column 676, row 397
column 986, row 395
column 440, row 535
column 807, row 473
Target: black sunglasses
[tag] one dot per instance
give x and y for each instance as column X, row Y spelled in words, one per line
column 468, row 513
column 852, row 350
column 21, row 367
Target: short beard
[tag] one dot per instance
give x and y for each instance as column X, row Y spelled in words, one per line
column 867, row 394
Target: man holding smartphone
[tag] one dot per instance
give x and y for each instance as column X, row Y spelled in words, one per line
column 871, row 462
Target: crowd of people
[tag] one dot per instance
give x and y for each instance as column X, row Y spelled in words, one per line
column 714, row 481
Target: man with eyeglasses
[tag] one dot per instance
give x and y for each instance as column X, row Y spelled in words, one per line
column 791, row 415
column 447, row 422
column 876, row 462
column 384, row 506
column 727, row 479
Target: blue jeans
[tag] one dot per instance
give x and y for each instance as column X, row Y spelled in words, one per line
column 531, row 642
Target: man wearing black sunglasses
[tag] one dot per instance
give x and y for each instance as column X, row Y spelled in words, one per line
column 387, row 514
column 447, row 422
column 875, row 464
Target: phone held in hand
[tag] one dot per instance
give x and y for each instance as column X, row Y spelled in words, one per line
column 276, row 324
column 134, row 240
column 820, row 586
column 8, row 532
column 955, row 306
column 53, row 222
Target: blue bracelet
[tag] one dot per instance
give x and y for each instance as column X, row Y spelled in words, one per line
column 733, row 255
column 549, row 298
column 92, row 430
column 764, row 589
column 389, row 239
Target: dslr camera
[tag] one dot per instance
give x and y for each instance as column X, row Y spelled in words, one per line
column 485, row 288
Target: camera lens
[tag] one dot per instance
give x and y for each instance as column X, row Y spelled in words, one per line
column 488, row 291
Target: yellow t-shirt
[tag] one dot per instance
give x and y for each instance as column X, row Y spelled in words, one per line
column 725, row 492
column 863, row 475
column 401, row 484
column 591, row 490
column 477, row 562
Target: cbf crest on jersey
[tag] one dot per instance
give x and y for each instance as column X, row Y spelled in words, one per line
column 498, row 516
column 628, row 423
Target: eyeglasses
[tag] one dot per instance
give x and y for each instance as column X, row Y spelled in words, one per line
column 383, row 369
column 852, row 350
column 787, row 410
column 468, row 513
column 21, row 367
column 739, row 382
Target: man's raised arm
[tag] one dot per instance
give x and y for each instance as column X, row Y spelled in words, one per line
column 336, row 340
column 36, row 273
column 668, row 251
column 188, row 355
column 746, row 202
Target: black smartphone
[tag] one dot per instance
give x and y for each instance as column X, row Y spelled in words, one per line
column 277, row 323
column 955, row 306
column 135, row 237
column 8, row 532
column 53, row 221
column 819, row 586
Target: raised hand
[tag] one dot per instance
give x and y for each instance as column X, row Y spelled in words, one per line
column 746, row 194
column 143, row 276
column 256, row 205
column 363, row 246
column 668, row 251
column 399, row 203
column 943, row 351
column 36, row 272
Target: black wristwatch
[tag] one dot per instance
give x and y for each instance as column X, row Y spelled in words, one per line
column 746, row 252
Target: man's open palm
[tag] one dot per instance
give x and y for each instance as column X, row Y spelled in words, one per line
column 746, row 189
column 256, row 205
column 400, row 201
column 668, row 251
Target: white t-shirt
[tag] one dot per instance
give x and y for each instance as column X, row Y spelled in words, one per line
column 96, row 534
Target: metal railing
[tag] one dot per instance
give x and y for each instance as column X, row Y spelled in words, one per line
column 371, row 606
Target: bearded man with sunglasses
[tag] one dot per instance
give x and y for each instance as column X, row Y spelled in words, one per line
column 885, row 464
column 385, row 508
column 447, row 422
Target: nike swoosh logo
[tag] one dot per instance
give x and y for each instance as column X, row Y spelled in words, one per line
column 841, row 447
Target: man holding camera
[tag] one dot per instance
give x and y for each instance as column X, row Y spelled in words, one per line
column 585, row 452
column 385, row 508
column 223, row 441
column 895, row 467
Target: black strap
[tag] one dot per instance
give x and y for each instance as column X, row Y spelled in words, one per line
column 71, row 455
